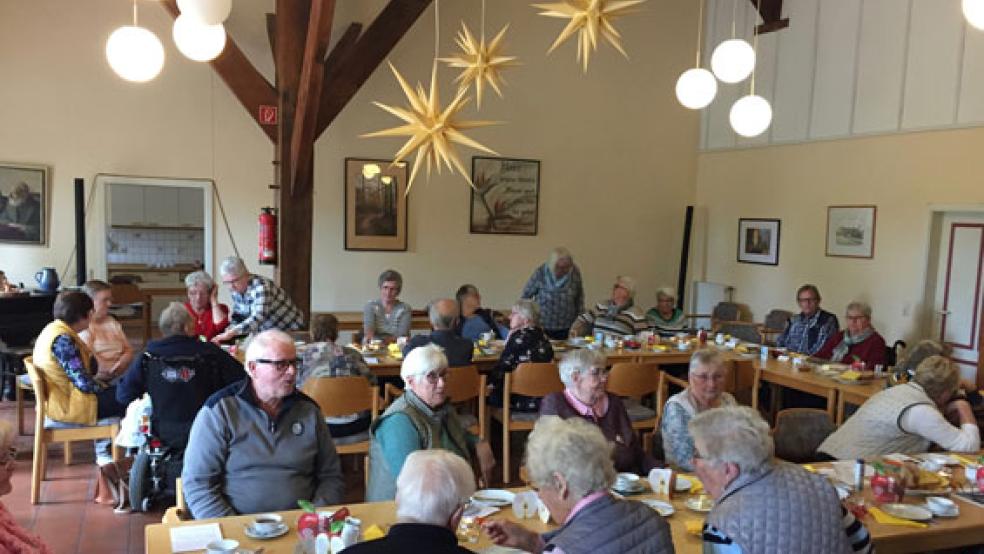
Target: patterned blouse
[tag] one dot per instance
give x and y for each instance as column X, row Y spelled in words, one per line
column 394, row 324
column 678, row 445
column 69, row 357
column 327, row 359
column 529, row 344
column 560, row 300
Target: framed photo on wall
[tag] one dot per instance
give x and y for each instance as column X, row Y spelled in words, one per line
column 851, row 231
column 758, row 241
column 506, row 196
column 23, row 204
column 375, row 205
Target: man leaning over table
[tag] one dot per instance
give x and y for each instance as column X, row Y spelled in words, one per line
column 258, row 303
column 431, row 494
column 807, row 331
column 260, row 445
column 763, row 505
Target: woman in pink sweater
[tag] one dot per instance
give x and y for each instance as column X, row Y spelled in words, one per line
column 14, row 539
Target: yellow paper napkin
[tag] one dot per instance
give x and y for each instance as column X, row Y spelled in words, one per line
column 696, row 487
column 694, row 527
column 809, row 468
column 885, row 519
column 373, row 532
column 964, row 460
column 850, row 375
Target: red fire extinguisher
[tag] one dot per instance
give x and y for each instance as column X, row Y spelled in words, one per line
column 268, row 237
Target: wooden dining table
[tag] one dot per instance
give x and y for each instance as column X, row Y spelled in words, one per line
column 963, row 530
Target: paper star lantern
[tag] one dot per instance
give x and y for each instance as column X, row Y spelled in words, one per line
column 589, row 19
column 432, row 129
column 480, row 63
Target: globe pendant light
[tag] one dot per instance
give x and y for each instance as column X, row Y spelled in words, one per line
column 734, row 59
column 973, row 10
column 198, row 42
column 751, row 115
column 206, row 12
column 135, row 53
column 696, row 87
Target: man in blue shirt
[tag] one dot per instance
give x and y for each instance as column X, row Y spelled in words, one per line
column 807, row 331
column 443, row 315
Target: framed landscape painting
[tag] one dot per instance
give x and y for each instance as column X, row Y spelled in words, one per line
column 851, row 231
column 23, row 204
column 375, row 205
column 506, row 197
column 758, row 241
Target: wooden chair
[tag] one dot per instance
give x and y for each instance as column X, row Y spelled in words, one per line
column 774, row 324
column 179, row 512
column 43, row 437
column 529, row 379
column 339, row 396
column 665, row 380
column 637, row 380
column 799, row 432
column 464, row 384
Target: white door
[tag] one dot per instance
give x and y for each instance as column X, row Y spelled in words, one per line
column 959, row 289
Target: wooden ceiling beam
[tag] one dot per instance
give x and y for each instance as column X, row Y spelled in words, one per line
column 271, row 27
column 771, row 12
column 369, row 51
column 343, row 48
column 246, row 83
column 309, row 87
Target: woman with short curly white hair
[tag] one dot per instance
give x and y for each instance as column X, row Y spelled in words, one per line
column 569, row 463
column 585, row 377
column 211, row 316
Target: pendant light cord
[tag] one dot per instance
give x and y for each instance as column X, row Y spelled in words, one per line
column 135, row 13
column 734, row 18
column 700, row 26
column 437, row 29
column 755, row 41
column 483, row 21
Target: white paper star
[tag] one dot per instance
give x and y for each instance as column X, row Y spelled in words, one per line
column 589, row 18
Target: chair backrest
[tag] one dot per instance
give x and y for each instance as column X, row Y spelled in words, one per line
column 776, row 319
column 462, row 383
column 536, row 380
column 633, row 379
column 799, row 432
column 745, row 332
column 37, row 381
column 892, row 352
column 726, row 311
column 126, row 293
column 339, row 396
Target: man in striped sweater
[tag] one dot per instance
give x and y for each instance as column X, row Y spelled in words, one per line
column 615, row 316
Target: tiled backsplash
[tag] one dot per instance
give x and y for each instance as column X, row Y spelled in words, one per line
column 155, row 246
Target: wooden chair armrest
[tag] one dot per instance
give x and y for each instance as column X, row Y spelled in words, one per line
column 390, row 392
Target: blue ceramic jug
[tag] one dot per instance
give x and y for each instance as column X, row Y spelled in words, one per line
column 47, row 279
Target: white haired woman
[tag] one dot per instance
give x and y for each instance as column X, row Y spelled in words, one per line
column 734, row 460
column 386, row 317
column 859, row 342
column 431, row 494
column 13, row 538
column 585, row 377
column 569, row 464
column 211, row 316
column 615, row 316
column 556, row 287
column 908, row 418
column 526, row 343
column 421, row 419
column 666, row 316
column 705, row 391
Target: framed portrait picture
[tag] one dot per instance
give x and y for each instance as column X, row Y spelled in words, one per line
column 506, row 197
column 851, row 231
column 24, row 204
column 375, row 205
column 758, row 241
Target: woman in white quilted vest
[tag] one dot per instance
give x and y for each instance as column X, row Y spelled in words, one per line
column 908, row 418
column 569, row 462
column 750, row 488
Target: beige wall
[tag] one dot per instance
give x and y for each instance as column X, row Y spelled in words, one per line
column 618, row 154
column 906, row 176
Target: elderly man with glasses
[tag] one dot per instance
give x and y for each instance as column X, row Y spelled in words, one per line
column 808, row 330
column 260, row 445
column 421, row 419
column 258, row 303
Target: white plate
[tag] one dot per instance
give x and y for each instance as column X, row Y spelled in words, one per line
column 682, row 484
column 493, row 497
column 954, row 512
column 941, row 459
column 664, row 509
column 693, row 504
column 254, row 534
column 907, row 511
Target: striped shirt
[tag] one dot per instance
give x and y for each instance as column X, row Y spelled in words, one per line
column 627, row 320
column 263, row 305
column 716, row 542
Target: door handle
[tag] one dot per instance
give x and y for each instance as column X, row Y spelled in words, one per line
column 943, row 312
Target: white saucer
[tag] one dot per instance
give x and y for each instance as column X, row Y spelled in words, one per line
column 635, row 489
column 662, row 507
column 955, row 512
column 279, row 531
column 907, row 511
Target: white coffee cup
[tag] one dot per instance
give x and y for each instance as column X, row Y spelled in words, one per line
column 940, row 505
column 267, row 523
column 222, row 546
column 626, row 481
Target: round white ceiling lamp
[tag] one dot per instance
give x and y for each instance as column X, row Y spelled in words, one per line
column 696, row 88
column 751, row 115
column 135, row 53
column 206, row 12
column 198, row 42
column 973, row 10
column 733, row 60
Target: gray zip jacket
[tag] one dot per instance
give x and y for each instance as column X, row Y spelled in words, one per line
column 241, row 461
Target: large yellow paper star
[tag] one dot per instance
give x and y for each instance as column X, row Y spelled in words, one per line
column 481, row 63
column 588, row 18
column 431, row 129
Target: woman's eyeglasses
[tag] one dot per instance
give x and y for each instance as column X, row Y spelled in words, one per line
column 433, row 376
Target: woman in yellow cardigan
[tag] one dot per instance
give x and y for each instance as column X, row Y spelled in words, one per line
column 68, row 366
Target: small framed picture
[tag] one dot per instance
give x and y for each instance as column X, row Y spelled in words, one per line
column 851, row 231
column 23, row 204
column 375, row 205
column 758, row 241
column 506, row 197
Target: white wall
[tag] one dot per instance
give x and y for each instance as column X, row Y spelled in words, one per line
column 618, row 155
